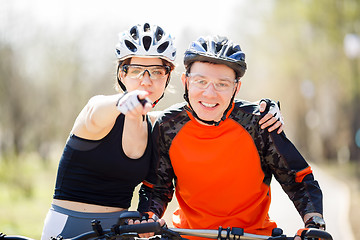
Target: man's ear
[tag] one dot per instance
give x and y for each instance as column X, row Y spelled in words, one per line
column 183, row 79
column 238, row 87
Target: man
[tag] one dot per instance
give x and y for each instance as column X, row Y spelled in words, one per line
column 219, row 157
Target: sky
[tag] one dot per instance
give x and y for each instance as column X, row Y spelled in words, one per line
column 95, row 25
column 215, row 16
column 200, row 17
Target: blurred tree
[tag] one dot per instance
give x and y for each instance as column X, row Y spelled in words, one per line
column 13, row 94
column 43, row 86
column 303, row 43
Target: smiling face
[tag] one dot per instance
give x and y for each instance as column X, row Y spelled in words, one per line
column 155, row 87
column 209, row 103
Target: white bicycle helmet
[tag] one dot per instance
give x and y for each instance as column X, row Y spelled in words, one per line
column 146, row 41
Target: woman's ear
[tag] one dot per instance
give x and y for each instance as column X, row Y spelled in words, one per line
column 121, row 74
column 183, row 79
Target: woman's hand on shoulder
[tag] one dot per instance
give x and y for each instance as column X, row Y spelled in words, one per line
column 273, row 119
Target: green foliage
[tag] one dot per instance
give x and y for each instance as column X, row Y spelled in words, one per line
column 43, row 91
column 26, row 191
column 306, row 46
column 27, row 186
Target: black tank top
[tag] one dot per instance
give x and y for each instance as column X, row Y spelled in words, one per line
column 99, row 172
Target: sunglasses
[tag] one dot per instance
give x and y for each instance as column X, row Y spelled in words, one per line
column 136, row 71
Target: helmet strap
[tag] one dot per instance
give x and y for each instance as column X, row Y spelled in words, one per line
column 118, row 79
column 167, row 82
column 154, row 103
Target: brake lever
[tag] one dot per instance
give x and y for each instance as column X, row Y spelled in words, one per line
column 318, row 233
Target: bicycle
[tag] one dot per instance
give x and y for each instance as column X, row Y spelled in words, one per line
column 122, row 231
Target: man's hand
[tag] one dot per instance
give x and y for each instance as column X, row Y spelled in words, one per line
column 146, row 235
column 311, row 220
column 273, row 118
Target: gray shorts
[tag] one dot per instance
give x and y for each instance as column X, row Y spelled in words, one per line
column 68, row 223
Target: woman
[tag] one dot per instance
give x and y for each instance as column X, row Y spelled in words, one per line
column 108, row 151
column 98, row 171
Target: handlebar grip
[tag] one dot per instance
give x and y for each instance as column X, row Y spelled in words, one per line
column 317, row 233
column 141, row 228
column 16, row 238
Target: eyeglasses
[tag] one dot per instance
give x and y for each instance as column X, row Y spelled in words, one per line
column 137, row 71
column 203, row 82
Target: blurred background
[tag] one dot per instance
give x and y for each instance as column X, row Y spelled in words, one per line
column 56, row 54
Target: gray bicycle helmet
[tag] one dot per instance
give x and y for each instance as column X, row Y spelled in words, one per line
column 216, row 49
column 146, row 41
column 219, row 50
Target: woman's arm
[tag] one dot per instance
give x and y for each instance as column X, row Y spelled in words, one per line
column 97, row 117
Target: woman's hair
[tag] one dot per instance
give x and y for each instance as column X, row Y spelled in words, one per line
column 119, row 65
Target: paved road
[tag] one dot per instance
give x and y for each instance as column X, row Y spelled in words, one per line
column 336, row 208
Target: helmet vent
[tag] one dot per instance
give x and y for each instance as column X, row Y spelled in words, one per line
column 147, row 42
column 159, row 33
column 218, row 47
column 162, row 47
column 230, row 51
column 134, row 33
column 204, row 46
column 146, row 27
column 238, row 56
column 130, row 46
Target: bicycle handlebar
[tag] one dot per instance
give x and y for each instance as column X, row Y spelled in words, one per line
column 125, row 232
column 114, row 233
column 14, row 237
column 123, row 229
column 215, row 234
column 238, row 233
